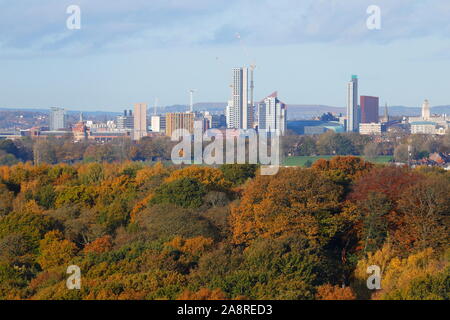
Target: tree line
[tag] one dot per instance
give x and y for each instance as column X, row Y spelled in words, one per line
column 64, row 150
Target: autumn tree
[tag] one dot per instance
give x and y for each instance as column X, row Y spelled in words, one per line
column 331, row 143
column 6, row 198
column 237, row 174
column 44, row 152
column 91, row 173
column 193, row 246
column 374, row 222
column 81, row 194
column 426, row 207
column 185, row 192
column 343, row 169
column 376, row 195
column 166, row 221
column 12, row 281
column 330, row 292
column 422, row 276
column 157, row 148
column 213, row 179
column 102, row 153
column 389, row 180
column 401, row 153
column 29, row 225
column 297, row 202
column 100, row 245
column 381, row 258
column 55, row 251
column 371, row 150
column 305, row 146
column 203, row 294
column 16, row 250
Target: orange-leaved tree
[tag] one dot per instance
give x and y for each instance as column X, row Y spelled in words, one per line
column 330, row 292
column 212, row 178
column 295, row 202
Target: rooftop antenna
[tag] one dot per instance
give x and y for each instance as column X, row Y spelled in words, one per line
column 155, row 107
column 191, row 95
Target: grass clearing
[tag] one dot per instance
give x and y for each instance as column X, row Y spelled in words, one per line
column 302, row 160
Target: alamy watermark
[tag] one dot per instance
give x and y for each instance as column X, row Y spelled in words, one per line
column 73, row 22
column 231, row 146
column 374, row 281
column 374, row 20
column 74, row 280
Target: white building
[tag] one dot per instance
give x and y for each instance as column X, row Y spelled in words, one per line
column 371, row 128
column 423, row 127
column 272, row 114
column 352, row 105
column 239, row 110
column 158, row 124
column 429, row 124
column 109, row 125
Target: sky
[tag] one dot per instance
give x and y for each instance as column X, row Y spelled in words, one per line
column 129, row 51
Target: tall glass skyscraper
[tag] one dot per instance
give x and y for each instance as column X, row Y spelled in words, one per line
column 239, row 110
column 352, row 105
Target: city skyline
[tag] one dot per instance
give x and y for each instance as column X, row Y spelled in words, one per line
column 212, row 158
column 193, row 45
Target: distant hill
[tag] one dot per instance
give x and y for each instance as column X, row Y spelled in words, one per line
column 201, row 106
column 415, row 111
column 69, row 111
column 295, row 111
column 308, row 111
column 304, row 111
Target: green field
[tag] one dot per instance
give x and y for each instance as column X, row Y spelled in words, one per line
column 301, row 161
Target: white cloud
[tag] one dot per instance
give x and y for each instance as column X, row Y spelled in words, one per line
column 31, row 27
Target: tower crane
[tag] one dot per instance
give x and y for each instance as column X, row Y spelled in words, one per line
column 252, row 71
column 191, row 96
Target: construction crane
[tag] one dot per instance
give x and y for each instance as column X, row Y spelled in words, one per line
column 252, row 84
column 191, row 96
column 252, row 70
column 155, row 111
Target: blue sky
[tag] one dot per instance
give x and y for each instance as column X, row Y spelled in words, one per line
column 135, row 50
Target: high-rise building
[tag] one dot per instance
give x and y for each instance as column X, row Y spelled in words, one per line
column 179, row 120
column 370, row 109
column 352, row 105
column 140, row 121
column 125, row 121
column 272, row 114
column 58, row 119
column 239, row 111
